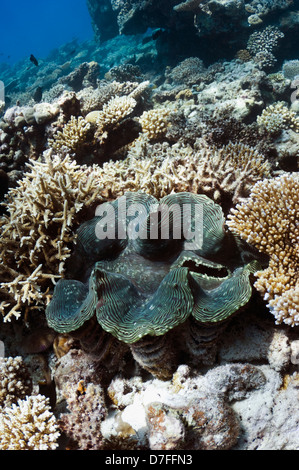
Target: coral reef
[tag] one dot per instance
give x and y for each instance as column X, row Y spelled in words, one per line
column 262, row 45
column 73, row 137
column 269, row 221
column 225, row 174
column 87, row 410
column 188, row 412
column 153, row 345
column 154, row 123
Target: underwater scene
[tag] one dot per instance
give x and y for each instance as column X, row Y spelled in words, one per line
column 149, row 214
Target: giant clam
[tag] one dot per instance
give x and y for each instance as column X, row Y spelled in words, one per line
column 158, row 296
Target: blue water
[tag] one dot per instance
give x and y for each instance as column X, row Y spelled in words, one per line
column 39, row 26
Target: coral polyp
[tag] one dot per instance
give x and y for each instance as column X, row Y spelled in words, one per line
column 141, row 290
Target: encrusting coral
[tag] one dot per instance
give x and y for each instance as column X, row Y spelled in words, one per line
column 269, row 221
column 87, row 409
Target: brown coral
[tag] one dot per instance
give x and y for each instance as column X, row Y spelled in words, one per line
column 87, row 410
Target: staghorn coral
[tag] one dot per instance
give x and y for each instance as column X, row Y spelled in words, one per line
column 268, row 220
column 37, row 232
column 154, row 285
column 277, row 117
column 72, row 137
column 15, row 380
column 28, row 425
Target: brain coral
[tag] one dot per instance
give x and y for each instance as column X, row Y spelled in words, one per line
column 269, row 220
column 156, row 282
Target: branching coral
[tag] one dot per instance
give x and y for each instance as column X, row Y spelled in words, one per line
column 29, row 425
column 262, row 44
column 37, row 233
column 224, row 174
column 94, row 99
column 15, row 380
column 154, row 123
column 112, row 113
column 277, row 117
column 265, row 40
column 72, row 137
column 269, row 221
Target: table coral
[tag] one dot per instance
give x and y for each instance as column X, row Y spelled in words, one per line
column 269, row 221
